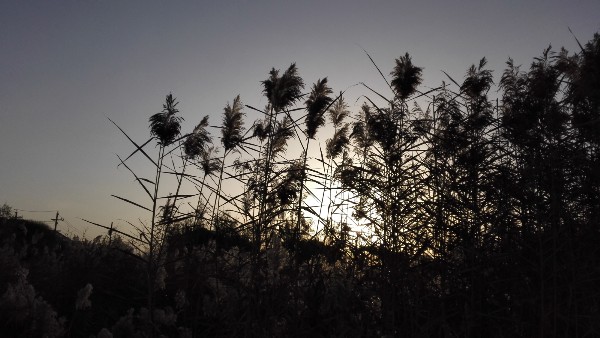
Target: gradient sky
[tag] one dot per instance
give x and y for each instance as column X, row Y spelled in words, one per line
column 67, row 65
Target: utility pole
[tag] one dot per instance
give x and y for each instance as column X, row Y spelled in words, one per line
column 110, row 231
column 56, row 219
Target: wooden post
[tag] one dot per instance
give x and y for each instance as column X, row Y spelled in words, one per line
column 56, row 219
column 110, row 231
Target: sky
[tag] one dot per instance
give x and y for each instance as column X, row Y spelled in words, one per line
column 65, row 66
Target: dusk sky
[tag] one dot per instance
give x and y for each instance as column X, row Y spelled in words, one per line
column 66, row 66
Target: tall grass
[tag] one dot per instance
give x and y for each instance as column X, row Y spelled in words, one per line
column 447, row 184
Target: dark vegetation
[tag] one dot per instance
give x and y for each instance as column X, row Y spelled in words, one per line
column 441, row 213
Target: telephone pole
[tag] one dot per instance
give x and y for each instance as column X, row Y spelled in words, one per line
column 110, row 231
column 56, row 219
column 17, row 214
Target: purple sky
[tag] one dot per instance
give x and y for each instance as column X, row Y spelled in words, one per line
column 66, row 65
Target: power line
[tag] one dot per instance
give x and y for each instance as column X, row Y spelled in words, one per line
column 55, row 220
column 74, row 228
column 69, row 223
column 34, row 210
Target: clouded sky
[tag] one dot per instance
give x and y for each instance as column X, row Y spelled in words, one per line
column 67, row 65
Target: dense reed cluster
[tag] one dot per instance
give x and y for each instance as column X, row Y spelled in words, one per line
column 427, row 213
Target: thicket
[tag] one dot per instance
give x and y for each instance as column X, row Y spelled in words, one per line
column 437, row 213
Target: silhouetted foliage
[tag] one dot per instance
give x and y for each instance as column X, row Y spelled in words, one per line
column 317, row 103
column 469, row 217
column 166, row 126
column 195, row 143
column 233, row 124
column 406, row 77
column 283, row 91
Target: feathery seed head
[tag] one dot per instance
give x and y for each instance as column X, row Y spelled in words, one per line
column 283, row 91
column 316, row 104
column 165, row 126
column 406, row 77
